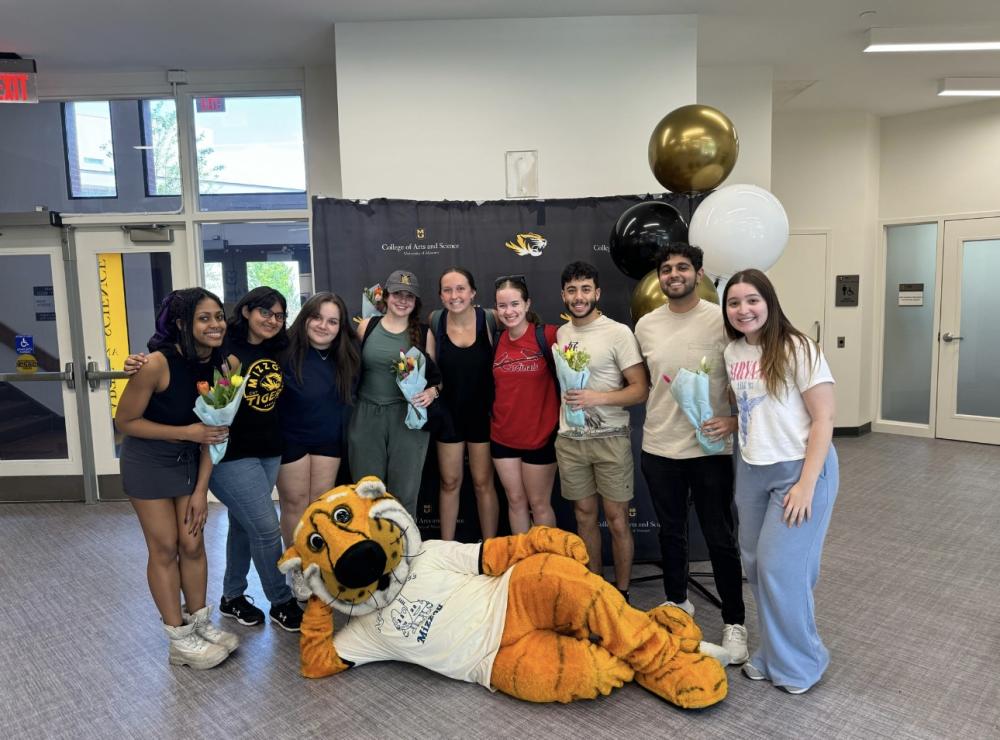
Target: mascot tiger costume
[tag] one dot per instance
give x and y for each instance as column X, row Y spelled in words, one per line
column 520, row 614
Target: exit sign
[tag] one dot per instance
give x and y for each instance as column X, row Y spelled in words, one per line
column 211, row 105
column 17, row 81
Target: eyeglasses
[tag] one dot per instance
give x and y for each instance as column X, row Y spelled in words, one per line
column 512, row 278
column 266, row 313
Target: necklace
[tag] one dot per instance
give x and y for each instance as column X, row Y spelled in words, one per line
column 321, row 355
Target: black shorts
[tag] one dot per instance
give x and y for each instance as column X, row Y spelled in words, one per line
column 465, row 428
column 296, row 450
column 544, row 455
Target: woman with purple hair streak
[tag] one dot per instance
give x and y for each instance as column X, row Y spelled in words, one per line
column 165, row 469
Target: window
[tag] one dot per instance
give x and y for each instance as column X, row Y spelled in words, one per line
column 90, row 152
column 280, row 272
column 239, row 257
column 250, row 153
column 161, row 162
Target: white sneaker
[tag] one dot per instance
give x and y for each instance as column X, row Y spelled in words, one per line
column 734, row 640
column 715, row 651
column 753, row 672
column 300, row 589
column 187, row 647
column 686, row 605
column 202, row 621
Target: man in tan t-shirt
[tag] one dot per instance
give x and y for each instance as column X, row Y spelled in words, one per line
column 674, row 336
column 595, row 460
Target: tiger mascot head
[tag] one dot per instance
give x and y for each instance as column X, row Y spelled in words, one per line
column 354, row 546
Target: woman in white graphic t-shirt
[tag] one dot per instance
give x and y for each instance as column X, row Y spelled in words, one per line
column 786, row 476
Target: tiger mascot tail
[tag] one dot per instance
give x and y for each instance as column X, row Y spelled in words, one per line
column 519, row 614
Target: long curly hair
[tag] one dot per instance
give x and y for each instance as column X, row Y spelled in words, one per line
column 345, row 351
column 174, row 321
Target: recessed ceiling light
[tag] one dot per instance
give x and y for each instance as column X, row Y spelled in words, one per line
column 983, row 87
column 932, row 39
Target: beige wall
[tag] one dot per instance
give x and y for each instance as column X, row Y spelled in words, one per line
column 941, row 162
column 428, row 108
column 825, row 172
column 322, row 138
column 744, row 95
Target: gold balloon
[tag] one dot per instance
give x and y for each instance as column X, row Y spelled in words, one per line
column 647, row 294
column 693, row 149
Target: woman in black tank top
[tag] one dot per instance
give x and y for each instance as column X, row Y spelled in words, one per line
column 462, row 346
column 165, row 474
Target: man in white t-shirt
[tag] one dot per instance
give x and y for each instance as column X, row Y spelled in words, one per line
column 596, row 459
column 676, row 467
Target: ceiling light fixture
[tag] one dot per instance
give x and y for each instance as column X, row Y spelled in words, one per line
column 983, row 87
column 932, row 39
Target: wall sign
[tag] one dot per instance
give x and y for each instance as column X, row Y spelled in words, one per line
column 847, row 290
column 911, row 294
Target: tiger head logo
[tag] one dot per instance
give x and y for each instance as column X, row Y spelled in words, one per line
column 530, row 244
column 354, row 546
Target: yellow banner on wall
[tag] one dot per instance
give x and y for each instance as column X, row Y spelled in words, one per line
column 109, row 270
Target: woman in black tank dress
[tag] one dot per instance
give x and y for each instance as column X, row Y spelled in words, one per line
column 165, row 469
column 462, row 346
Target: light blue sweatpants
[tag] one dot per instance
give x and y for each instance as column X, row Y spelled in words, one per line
column 782, row 567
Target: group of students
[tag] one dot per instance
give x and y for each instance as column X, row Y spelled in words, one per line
column 492, row 395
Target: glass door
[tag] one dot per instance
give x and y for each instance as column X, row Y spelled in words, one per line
column 124, row 272
column 40, row 457
column 968, row 401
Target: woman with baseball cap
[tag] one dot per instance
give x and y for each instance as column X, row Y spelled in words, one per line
column 379, row 443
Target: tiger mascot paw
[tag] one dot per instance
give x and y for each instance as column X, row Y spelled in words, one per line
column 514, row 614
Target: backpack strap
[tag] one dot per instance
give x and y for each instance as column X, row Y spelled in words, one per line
column 438, row 327
column 546, row 350
column 490, row 319
column 372, row 323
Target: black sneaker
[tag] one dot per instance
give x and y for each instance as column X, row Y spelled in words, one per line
column 288, row 616
column 241, row 609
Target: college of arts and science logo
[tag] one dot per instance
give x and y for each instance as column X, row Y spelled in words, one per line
column 528, row 244
column 420, row 233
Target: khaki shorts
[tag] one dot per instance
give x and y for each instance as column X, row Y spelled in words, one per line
column 601, row 465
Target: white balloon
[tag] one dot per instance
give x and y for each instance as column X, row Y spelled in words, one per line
column 739, row 226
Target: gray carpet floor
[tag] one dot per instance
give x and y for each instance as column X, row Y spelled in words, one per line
column 907, row 604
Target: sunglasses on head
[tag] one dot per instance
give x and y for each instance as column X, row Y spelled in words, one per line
column 512, row 278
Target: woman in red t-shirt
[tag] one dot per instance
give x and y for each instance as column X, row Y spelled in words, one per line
column 525, row 409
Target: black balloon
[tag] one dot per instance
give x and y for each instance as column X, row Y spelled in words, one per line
column 640, row 232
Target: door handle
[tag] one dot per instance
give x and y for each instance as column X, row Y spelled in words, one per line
column 819, row 329
column 66, row 376
column 95, row 376
column 948, row 337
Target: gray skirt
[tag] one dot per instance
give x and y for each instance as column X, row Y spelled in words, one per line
column 156, row 468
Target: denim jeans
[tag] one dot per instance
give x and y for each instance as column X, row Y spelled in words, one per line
column 245, row 486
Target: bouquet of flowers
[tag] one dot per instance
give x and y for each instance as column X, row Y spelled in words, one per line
column 572, row 369
column 410, row 368
column 691, row 390
column 218, row 403
column 370, row 298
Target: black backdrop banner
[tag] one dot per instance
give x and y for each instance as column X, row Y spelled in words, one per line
column 358, row 243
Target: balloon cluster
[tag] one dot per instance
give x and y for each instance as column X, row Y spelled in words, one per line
column 691, row 152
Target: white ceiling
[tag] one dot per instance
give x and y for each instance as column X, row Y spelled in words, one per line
column 813, row 46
